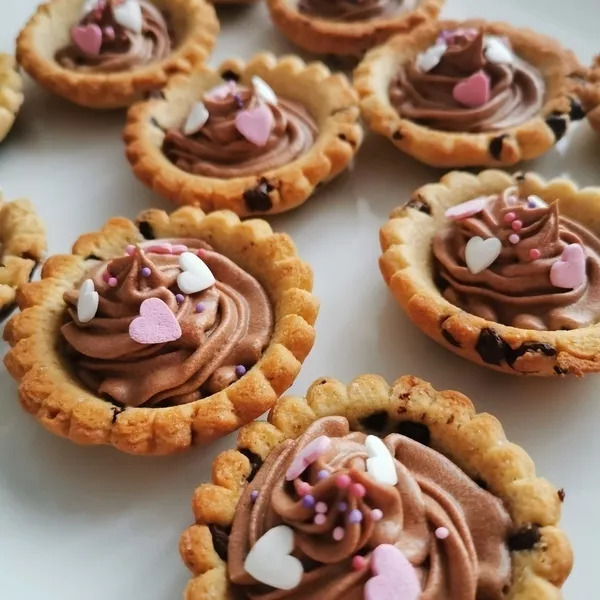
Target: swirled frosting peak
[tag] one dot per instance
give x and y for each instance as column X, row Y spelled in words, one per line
column 468, row 82
column 238, row 130
column 159, row 327
column 339, row 514
column 517, row 261
column 116, row 35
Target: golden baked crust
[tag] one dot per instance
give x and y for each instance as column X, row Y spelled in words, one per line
column 325, row 36
column 11, row 94
column 23, row 241
column 446, row 421
column 589, row 91
column 65, row 407
column 329, row 98
column 407, row 267
column 196, row 28
column 451, row 149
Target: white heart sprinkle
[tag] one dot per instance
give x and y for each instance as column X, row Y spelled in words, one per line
column 269, row 560
column 87, row 303
column 129, row 15
column 496, row 50
column 197, row 117
column 534, row 201
column 89, row 6
column 480, row 253
column 380, row 464
column 264, row 91
column 431, row 57
column 196, row 275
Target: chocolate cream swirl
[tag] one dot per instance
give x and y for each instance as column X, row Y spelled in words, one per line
column 233, row 329
column 516, row 289
column 517, row 90
column 473, row 563
column 122, row 49
column 220, row 150
column 350, row 10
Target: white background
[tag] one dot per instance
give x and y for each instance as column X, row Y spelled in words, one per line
column 92, row 523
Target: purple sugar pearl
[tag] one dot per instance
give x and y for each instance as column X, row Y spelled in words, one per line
column 254, row 496
column 180, row 298
column 322, row 474
column 200, row 307
column 240, row 370
column 355, row 516
column 146, row 272
column 309, row 501
column 342, row 507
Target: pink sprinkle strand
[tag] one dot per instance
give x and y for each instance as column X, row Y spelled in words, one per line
column 338, row 534
column 441, row 533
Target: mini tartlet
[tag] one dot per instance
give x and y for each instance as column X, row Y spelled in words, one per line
column 23, row 242
column 475, row 93
column 455, row 508
column 162, row 334
column 255, row 137
column 589, row 90
column 107, row 54
column 11, row 94
column 503, row 270
column 347, row 28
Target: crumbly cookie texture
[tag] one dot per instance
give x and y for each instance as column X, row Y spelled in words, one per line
column 407, row 268
column 326, row 36
column 23, row 240
column 588, row 86
column 195, row 27
column 446, row 421
column 11, row 94
column 328, row 97
column 450, row 149
column 49, row 391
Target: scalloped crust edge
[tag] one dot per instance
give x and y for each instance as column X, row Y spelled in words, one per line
column 324, row 36
column 11, row 93
column 449, row 149
column 62, row 405
column 329, row 96
column 475, row 442
column 116, row 90
column 407, row 269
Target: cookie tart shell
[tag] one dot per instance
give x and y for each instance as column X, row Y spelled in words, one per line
column 328, row 97
column 195, row 28
column 407, row 267
column 446, row 421
column 439, row 148
column 11, row 95
column 354, row 38
column 589, row 90
column 57, row 399
column 23, row 241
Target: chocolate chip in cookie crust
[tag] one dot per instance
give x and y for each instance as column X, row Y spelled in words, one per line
column 255, row 462
column 577, row 112
column 415, row 431
column 558, row 124
column 230, row 75
column 491, row 347
column 542, row 348
column 257, row 198
column 447, row 335
column 146, row 230
column 561, row 495
column 376, row 422
column 397, row 135
column 220, row 538
column 525, row 539
column 560, row 371
column 417, row 203
column 155, row 94
column 495, row 146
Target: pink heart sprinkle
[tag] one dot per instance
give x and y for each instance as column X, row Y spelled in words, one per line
column 307, row 456
column 466, row 209
column 568, row 271
column 255, row 124
column 155, row 325
column 88, row 38
column 474, row 91
column 166, row 248
column 395, row 577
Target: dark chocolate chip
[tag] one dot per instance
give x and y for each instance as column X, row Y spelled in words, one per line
column 146, row 230
column 220, row 538
column 417, row 203
column 450, row 338
column 495, row 146
column 481, row 483
column 520, row 177
column 343, row 137
column 558, row 124
column 154, row 122
column 525, row 539
column 154, row 95
column 255, row 462
column 560, row 371
column 577, row 112
column 257, row 198
column 542, row 348
column 561, row 495
column 92, row 257
column 439, row 281
column 230, row 75
column 491, row 347
column 397, row 135
column 450, row 420
column 117, row 410
column 5, row 311
column 414, row 431
column 375, row 422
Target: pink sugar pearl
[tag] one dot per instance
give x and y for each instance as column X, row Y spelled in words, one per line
column 112, row 281
column 513, row 238
column 441, row 533
column 303, row 488
column 358, row 490
column 321, row 507
column 320, row 519
column 343, row 481
column 509, row 217
column 376, row 514
column 534, row 254
column 338, row 534
column 359, row 563
column 517, row 225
